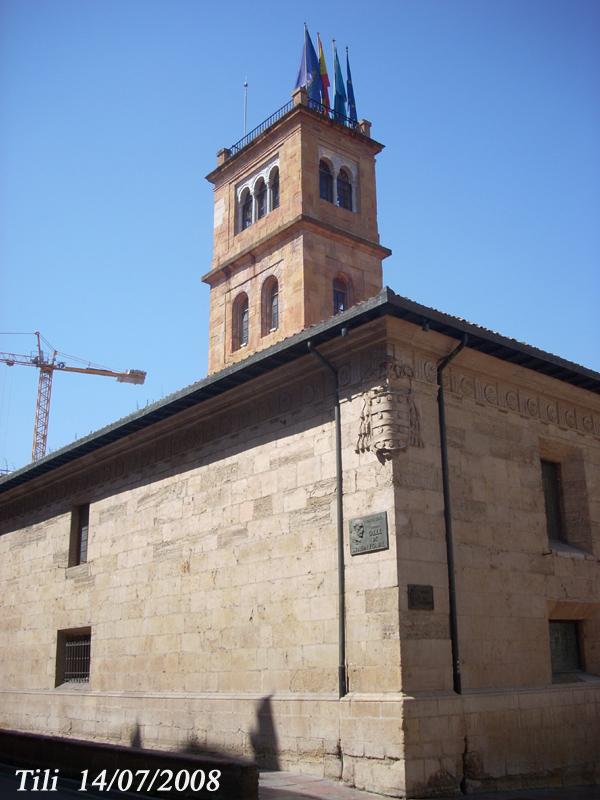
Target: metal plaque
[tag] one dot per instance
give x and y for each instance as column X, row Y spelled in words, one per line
column 420, row 596
column 368, row 534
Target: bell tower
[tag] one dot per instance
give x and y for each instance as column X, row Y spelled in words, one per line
column 295, row 229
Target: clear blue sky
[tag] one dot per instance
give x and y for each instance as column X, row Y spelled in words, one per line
column 113, row 110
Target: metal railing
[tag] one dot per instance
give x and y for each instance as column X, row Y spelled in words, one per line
column 281, row 112
column 331, row 114
column 249, row 137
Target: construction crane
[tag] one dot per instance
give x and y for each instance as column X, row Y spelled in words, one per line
column 47, row 367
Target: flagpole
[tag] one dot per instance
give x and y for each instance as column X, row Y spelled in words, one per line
column 305, row 64
column 245, row 104
column 333, row 115
column 319, row 60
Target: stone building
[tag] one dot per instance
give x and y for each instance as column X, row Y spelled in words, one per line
column 365, row 546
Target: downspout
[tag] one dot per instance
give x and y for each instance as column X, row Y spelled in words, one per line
column 456, row 677
column 342, row 683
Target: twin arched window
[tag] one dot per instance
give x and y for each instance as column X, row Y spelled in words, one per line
column 256, row 202
column 343, row 185
column 240, row 329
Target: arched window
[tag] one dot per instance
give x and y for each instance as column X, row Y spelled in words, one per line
column 274, row 187
column 325, row 181
column 240, row 322
column 341, row 295
column 270, row 305
column 246, row 210
column 344, row 190
column 260, row 198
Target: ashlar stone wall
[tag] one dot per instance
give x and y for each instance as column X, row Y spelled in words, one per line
column 211, row 585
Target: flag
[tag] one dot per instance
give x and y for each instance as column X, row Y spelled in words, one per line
column 309, row 74
column 339, row 100
column 351, row 100
column 324, row 76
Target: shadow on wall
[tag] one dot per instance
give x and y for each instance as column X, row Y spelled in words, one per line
column 263, row 739
column 136, row 736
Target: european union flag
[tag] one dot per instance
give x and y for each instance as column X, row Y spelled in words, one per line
column 351, row 100
column 309, row 74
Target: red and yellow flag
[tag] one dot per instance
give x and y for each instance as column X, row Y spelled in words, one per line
column 324, row 76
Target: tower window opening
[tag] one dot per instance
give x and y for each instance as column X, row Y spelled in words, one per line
column 274, row 186
column 246, row 212
column 340, row 296
column 325, row 181
column 244, row 326
column 270, row 306
column 344, row 190
column 78, row 543
column 260, row 197
column 240, row 322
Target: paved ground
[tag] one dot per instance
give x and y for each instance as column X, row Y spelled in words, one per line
column 288, row 786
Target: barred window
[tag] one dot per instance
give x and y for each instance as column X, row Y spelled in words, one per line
column 73, row 656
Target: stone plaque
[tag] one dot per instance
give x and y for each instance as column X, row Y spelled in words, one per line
column 420, row 596
column 368, row 534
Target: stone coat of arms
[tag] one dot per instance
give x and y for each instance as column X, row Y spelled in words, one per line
column 389, row 422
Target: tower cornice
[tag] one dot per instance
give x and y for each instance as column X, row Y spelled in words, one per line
column 303, row 222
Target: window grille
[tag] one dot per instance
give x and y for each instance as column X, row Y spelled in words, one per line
column 77, row 659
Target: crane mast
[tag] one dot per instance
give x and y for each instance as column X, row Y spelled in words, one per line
column 42, row 414
column 47, row 368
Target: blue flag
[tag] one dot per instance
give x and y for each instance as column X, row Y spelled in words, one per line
column 351, row 100
column 339, row 100
column 309, row 74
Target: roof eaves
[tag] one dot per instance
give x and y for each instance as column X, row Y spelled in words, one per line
column 294, row 347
